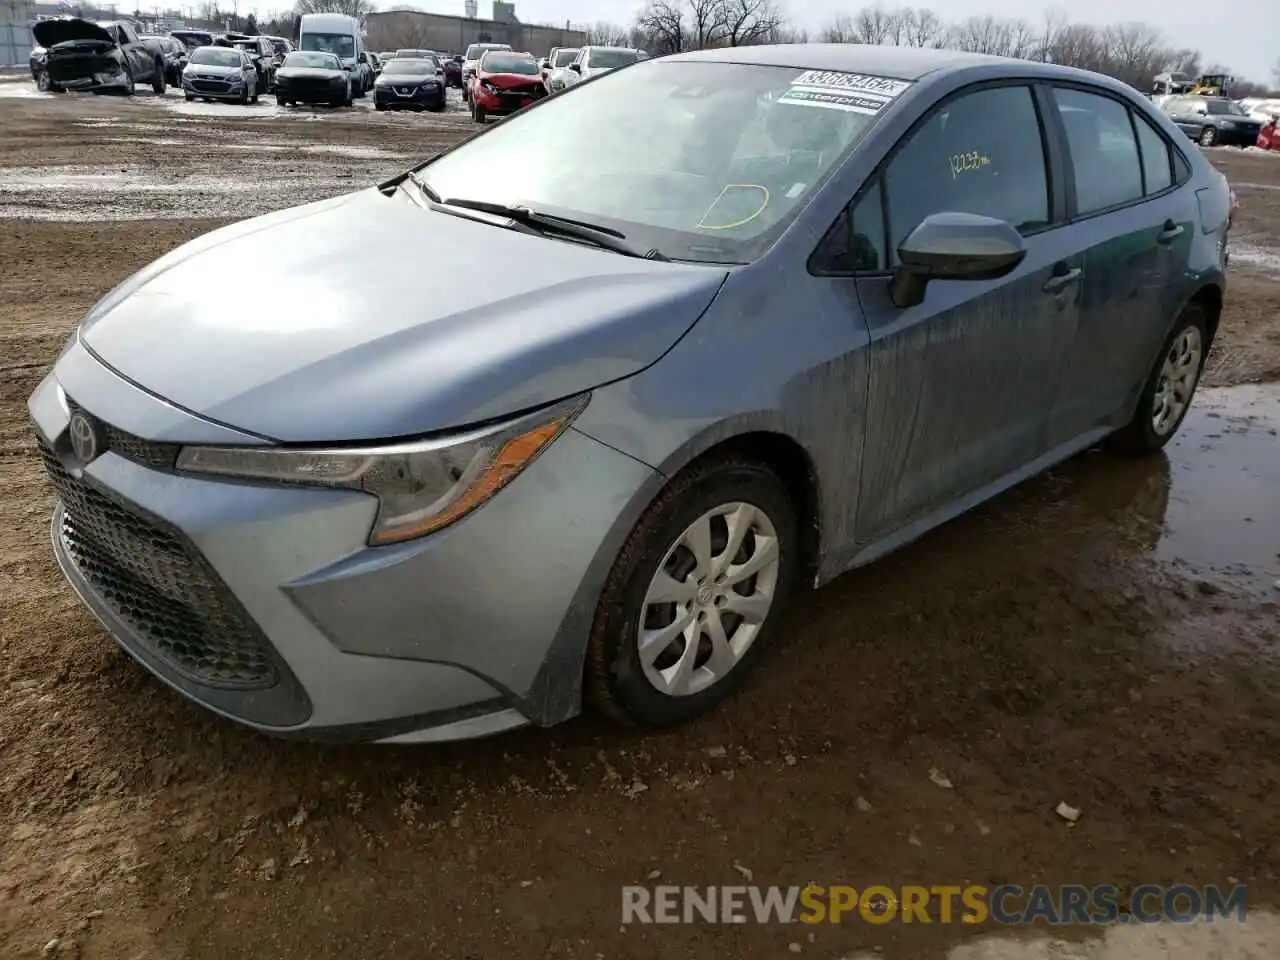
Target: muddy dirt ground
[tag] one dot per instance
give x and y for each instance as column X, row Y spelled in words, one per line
column 1105, row 635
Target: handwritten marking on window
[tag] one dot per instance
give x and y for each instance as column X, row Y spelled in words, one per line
column 968, row 162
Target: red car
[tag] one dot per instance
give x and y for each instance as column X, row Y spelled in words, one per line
column 504, row 83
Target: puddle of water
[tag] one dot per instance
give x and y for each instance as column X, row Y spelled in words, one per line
column 1222, row 520
column 24, row 90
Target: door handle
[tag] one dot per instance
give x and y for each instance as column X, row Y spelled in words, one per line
column 1060, row 281
column 1171, row 232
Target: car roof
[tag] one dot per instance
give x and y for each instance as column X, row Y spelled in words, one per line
column 901, row 63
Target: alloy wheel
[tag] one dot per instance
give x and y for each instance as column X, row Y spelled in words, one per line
column 708, row 600
column 1178, row 375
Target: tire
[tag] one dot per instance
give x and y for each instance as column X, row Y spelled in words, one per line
column 281, row 101
column 158, row 79
column 190, row 97
column 380, row 107
column 617, row 683
column 1208, row 137
column 43, row 83
column 128, row 81
column 438, row 106
column 477, row 113
column 244, row 97
column 253, row 97
column 1143, row 434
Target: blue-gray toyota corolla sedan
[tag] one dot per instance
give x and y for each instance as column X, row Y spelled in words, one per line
column 613, row 376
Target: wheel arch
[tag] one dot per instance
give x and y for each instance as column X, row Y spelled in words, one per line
column 1209, row 298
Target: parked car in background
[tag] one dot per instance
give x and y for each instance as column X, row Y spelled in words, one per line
column 98, row 56
column 375, row 63
column 191, row 39
column 282, row 46
column 1212, row 120
column 340, row 35
column 221, row 73
column 594, row 61
column 408, row 54
column 313, row 76
column 471, row 58
column 558, row 59
column 640, row 380
column 263, row 54
column 504, row 83
column 174, row 54
column 453, row 70
column 410, row 83
column 1261, row 109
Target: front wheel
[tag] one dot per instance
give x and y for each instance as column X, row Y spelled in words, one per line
column 128, row 81
column 158, row 79
column 190, row 97
column 694, row 594
column 477, row 113
column 1166, row 395
column 1208, row 137
column 43, row 82
column 281, row 101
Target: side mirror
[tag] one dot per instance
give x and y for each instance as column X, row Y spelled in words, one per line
column 954, row 246
column 575, row 67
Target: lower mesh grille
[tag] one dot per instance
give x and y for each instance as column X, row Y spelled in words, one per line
column 153, row 579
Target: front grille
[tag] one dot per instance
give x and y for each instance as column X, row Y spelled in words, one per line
column 210, row 86
column 154, row 580
column 149, row 453
column 310, row 88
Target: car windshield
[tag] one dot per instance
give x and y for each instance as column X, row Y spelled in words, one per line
column 564, row 58
column 417, row 66
column 339, row 44
column 509, row 63
column 712, row 164
column 611, row 59
column 476, row 50
column 215, row 57
column 1224, row 107
column 315, row 61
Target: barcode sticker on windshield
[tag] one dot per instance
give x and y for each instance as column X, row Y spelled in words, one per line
column 856, row 92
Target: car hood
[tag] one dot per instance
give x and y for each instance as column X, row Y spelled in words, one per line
column 369, row 317
column 213, row 69
column 391, row 79
column 62, row 30
column 310, row 73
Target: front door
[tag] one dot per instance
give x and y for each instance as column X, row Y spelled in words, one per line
column 960, row 386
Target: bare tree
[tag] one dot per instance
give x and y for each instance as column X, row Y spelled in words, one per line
column 1136, row 53
column 352, row 8
column 839, row 30
column 664, row 22
column 605, row 34
column 706, row 27
column 745, row 22
column 922, row 28
column 875, row 25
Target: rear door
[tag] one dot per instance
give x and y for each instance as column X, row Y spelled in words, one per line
column 1135, row 226
column 961, row 386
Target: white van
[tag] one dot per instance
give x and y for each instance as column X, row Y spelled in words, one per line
column 338, row 34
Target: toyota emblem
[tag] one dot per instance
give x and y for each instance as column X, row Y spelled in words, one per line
column 84, row 437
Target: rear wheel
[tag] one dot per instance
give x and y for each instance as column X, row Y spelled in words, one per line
column 158, row 78
column 281, row 101
column 190, row 97
column 128, row 81
column 694, row 594
column 1166, row 396
column 1208, row 137
column 43, row 82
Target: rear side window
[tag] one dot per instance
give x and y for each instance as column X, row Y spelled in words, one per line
column 980, row 153
column 1157, row 164
column 1104, row 150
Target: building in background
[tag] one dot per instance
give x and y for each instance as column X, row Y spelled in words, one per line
column 399, row 28
column 15, row 32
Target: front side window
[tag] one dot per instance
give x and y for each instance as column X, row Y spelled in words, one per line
column 1104, row 152
column 611, row 59
column 713, row 161
column 979, row 153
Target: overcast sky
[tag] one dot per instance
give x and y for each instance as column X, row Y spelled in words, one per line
column 1243, row 34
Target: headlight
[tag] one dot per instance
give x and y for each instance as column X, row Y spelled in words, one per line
column 421, row 486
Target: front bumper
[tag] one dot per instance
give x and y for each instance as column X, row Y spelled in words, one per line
column 408, row 97
column 311, row 92
column 505, row 104
column 264, row 603
column 214, row 89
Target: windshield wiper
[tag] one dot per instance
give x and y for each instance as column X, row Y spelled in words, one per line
column 411, row 175
column 601, row 236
